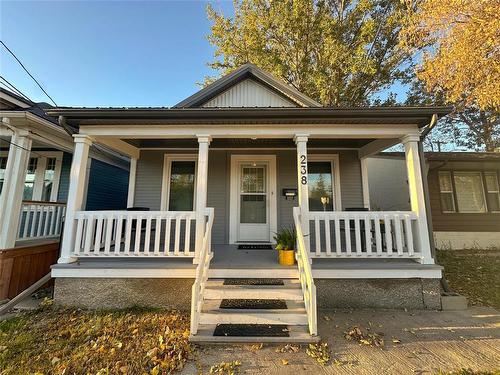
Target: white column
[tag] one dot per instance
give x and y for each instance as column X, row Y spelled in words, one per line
column 302, row 184
column 201, row 192
column 131, row 182
column 365, row 182
column 417, row 197
column 12, row 194
column 75, row 195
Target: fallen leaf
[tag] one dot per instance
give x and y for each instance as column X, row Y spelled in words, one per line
column 284, row 362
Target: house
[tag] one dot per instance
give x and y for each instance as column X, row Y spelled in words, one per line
column 214, row 177
column 35, row 161
column 463, row 194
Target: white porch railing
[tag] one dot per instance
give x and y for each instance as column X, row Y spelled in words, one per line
column 135, row 233
column 198, row 287
column 40, row 220
column 344, row 234
column 305, row 275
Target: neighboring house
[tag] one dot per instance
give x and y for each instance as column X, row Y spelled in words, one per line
column 35, row 162
column 463, row 189
column 213, row 179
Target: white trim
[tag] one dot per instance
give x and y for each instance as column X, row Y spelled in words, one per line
column 244, row 148
column 285, row 273
column 365, row 182
column 165, row 183
column 131, row 182
column 233, row 200
column 335, row 165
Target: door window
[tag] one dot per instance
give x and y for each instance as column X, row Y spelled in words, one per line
column 181, row 185
column 253, row 208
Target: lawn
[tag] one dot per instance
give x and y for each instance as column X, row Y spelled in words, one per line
column 57, row 341
column 474, row 274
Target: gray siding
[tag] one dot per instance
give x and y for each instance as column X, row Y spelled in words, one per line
column 150, row 172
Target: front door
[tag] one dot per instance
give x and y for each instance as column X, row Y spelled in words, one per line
column 253, row 208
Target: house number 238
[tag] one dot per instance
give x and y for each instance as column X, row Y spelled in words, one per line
column 303, row 169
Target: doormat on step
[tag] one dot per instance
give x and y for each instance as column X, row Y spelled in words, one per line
column 253, row 282
column 252, row 330
column 253, row 304
column 255, row 247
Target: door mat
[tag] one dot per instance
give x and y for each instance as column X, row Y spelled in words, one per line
column 253, row 282
column 255, row 247
column 253, row 304
column 252, row 330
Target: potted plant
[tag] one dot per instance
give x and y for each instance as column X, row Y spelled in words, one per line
column 286, row 239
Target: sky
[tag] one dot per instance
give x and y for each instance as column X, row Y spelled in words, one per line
column 113, row 53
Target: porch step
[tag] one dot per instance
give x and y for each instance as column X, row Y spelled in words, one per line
column 289, row 291
column 297, row 334
column 253, row 316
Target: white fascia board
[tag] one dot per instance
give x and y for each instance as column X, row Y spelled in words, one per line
column 246, row 131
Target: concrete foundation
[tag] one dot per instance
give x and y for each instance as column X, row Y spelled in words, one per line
column 113, row 293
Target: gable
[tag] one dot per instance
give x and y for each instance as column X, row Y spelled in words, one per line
column 249, row 93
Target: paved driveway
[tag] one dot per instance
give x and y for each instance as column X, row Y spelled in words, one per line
column 431, row 341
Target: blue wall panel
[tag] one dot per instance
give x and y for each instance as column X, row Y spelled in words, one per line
column 62, row 194
column 108, row 187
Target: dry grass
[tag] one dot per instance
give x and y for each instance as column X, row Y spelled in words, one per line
column 56, row 341
column 473, row 273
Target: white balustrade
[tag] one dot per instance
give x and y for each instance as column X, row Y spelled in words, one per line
column 134, row 233
column 305, row 275
column 362, row 234
column 40, row 220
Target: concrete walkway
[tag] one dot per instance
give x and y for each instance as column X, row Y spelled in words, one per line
column 431, row 341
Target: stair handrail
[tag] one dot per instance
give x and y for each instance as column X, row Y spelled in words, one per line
column 202, row 269
column 305, row 275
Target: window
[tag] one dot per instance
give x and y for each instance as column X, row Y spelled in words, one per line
column 48, row 179
column 29, row 182
column 320, row 185
column 446, row 192
column 181, row 185
column 470, row 192
column 3, row 166
column 492, row 191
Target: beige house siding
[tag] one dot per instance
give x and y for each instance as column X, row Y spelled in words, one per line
column 150, row 172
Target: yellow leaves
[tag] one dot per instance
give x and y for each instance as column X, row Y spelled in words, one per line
column 365, row 338
column 320, row 352
column 226, row 368
column 284, row 362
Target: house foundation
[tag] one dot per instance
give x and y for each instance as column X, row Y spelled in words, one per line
column 113, row 293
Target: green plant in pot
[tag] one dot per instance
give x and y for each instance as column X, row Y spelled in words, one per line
column 286, row 239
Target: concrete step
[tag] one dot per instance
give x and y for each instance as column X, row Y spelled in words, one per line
column 214, row 304
column 286, row 292
column 252, row 316
column 297, row 334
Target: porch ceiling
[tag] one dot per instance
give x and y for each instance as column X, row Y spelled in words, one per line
column 248, row 143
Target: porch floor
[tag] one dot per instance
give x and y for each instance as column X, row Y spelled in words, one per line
column 229, row 261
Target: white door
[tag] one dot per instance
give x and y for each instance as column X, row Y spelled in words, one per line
column 253, row 202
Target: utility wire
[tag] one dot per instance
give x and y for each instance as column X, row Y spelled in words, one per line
column 10, row 86
column 27, row 71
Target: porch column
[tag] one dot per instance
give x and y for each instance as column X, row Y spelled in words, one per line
column 417, row 197
column 75, row 195
column 201, row 192
column 13, row 188
column 302, row 184
column 131, row 182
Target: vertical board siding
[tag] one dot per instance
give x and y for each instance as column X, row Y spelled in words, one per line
column 62, row 194
column 249, row 93
column 150, row 172
column 107, row 188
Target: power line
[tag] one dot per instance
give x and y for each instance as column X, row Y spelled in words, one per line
column 15, row 89
column 27, row 71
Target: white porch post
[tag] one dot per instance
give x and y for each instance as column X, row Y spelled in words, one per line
column 12, row 194
column 417, row 197
column 302, row 184
column 365, row 182
column 201, row 192
column 75, row 195
column 131, row 182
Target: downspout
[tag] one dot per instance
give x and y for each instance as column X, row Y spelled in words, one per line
column 424, row 170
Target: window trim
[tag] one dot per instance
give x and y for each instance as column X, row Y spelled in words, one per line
column 486, row 191
column 167, row 169
column 333, row 159
column 452, row 192
column 42, row 157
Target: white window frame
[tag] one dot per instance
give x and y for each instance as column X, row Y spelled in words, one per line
column 483, row 190
column 167, row 171
column 333, row 159
column 41, row 164
column 487, row 191
column 452, row 192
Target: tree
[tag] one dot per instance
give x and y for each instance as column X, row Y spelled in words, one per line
column 459, row 44
column 339, row 52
